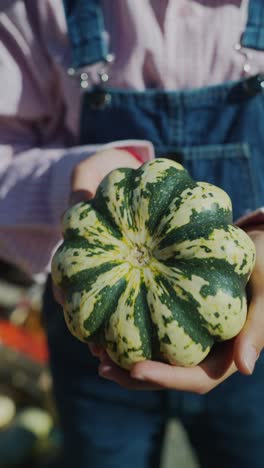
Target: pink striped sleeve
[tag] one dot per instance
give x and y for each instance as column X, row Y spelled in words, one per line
column 34, row 192
column 39, row 113
column 29, row 222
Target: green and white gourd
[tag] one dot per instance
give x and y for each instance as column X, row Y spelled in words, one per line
column 154, row 267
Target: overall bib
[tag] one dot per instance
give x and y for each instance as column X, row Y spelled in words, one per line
column 217, row 133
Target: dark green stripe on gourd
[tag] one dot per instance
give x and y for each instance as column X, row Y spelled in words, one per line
column 101, row 200
column 169, row 185
column 73, row 233
column 200, row 225
column 122, row 348
column 72, row 254
column 105, row 304
column 143, row 322
column 185, row 313
column 92, row 246
column 83, row 280
column 217, row 272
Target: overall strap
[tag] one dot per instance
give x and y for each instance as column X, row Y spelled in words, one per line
column 86, row 31
column 253, row 37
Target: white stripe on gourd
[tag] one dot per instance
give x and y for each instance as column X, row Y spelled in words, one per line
column 151, row 173
column 199, row 199
column 180, row 348
column 122, row 330
column 224, row 314
column 88, row 224
column 80, row 305
column 231, row 244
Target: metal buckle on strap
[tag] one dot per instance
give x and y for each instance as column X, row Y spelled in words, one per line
column 83, row 73
column 99, row 98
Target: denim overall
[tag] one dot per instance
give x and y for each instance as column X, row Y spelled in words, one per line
column 217, row 133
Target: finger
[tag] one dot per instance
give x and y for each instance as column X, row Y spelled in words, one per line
column 200, row 379
column 96, row 350
column 58, row 294
column 109, row 370
column 79, row 195
column 90, row 172
column 195, row 380
column 250, row 341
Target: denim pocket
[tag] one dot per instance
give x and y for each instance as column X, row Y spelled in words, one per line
column 228, row 166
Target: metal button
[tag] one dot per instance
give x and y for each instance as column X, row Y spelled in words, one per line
column 84, row 84
column 71, row 71
column 110, row 58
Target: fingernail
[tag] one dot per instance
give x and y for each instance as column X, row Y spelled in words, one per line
column 78, row 196
column 95, row 350
column 250, row 358
column 104, row 370
column 138, row 376
column 74, row 199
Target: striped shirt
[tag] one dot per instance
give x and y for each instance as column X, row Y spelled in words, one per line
column 167, row 44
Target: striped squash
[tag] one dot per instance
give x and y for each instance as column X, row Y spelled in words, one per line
column 153, row 266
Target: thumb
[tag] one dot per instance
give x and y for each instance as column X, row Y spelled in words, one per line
column 250, row 342
column 79, row 195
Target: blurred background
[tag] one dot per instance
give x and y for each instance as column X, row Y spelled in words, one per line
column 29, row 432
column 29, row 429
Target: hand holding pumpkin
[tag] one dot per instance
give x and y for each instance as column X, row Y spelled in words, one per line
column 154, row 266
column 88, row 174
column 240, row 354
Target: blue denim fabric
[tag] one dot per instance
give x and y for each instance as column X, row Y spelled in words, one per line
column 104, row 426
column 254, row 34
column 85, row 26
column 217, row 133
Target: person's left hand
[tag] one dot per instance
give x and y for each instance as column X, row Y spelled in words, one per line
column 239, row 354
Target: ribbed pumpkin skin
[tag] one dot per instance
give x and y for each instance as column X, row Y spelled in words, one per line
column 153, row 266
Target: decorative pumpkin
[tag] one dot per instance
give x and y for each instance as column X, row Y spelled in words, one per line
column 153, row 266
